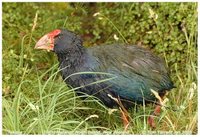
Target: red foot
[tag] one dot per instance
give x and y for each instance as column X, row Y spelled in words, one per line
column 151, row 121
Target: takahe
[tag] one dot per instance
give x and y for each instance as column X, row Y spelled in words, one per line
column 119, row 75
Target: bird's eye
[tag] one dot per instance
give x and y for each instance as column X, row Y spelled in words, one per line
column 58, row 36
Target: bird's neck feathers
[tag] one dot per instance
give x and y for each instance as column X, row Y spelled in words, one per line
column 72, row 57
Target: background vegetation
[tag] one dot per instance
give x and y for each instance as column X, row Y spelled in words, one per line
column 37, row 101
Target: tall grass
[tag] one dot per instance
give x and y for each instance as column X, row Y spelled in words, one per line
column 55, row 109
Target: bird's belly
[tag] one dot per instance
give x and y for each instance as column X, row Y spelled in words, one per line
column 129, row 92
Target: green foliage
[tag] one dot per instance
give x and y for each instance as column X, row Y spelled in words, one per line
column 29, row 76
column 163, row 31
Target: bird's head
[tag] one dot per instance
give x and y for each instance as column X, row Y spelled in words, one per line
column 59, row 41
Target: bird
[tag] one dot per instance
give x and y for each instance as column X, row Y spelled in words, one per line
column 119, row 75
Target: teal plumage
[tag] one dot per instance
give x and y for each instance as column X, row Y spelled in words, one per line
column 134, row 70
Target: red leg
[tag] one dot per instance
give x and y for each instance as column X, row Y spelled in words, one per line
column 124, row 112
column 124, row 116
column 156, row 112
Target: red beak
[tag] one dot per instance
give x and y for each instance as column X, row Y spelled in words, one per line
column 47, row 41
